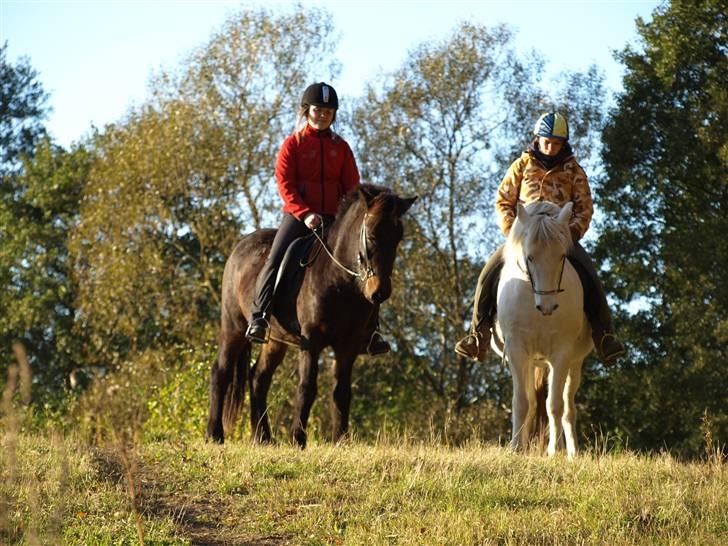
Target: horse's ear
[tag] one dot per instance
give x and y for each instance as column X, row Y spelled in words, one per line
column 404, row 204
column 368, row 193
column 521, row 213
column 565, row 213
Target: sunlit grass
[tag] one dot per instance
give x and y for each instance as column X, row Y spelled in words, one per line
column 391, row 493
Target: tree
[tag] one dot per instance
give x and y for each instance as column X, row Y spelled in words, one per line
column 178, row 180
column 39, row 195
column 22, row 111
column 448, row 123
column 663, row 236
column 39, row 293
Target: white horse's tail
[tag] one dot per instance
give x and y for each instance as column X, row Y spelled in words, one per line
column 540, row 435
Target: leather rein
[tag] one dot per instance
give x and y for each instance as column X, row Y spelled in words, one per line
column 366, row 270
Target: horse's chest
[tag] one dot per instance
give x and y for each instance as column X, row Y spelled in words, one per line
column 337, row 311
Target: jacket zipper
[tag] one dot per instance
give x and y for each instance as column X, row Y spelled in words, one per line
column 323, row 200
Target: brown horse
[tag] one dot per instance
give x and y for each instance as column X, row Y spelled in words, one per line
column 335, row 307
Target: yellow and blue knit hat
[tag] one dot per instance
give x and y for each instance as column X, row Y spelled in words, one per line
column 552, row 125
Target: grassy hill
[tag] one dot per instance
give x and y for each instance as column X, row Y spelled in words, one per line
column 59, row 491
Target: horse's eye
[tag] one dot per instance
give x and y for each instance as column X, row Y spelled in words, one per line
column 530, row 258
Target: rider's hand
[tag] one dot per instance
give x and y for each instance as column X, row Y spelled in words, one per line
column 312, row 220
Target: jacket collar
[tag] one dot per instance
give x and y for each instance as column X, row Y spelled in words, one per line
column 308, row 130
column 547, row 161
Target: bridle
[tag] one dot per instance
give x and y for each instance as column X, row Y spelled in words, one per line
column 527, row 272
column 366, row 269
column 545, row 292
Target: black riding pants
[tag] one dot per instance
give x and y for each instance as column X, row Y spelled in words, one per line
column 290, row 229
column 595, row 298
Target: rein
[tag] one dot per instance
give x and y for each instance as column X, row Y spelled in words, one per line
column 366, row 271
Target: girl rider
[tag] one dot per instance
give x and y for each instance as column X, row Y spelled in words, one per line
column 547, row 171
column 314, row 170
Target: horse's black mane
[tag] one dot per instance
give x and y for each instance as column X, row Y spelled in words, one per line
column 353, row 197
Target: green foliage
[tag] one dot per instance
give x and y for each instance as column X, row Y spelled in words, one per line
column 448, row 123
column 664, row 195
column 38, row 208
column 177, row 181
column 22, row 111
column 178, row 405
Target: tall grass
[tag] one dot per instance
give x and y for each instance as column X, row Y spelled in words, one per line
column 104, row 483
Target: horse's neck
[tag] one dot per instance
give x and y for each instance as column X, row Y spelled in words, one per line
column 342, row 241
column 343, row 238
column 512, row 263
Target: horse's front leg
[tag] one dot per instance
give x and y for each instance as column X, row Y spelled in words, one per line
column 261, row 375
column 555, row 402
column 523, row 409
column 306, row 393
column 345, row 357
column 569, row 418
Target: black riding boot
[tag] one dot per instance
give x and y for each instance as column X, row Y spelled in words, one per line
column 257, row 331
column 606, row 343
column 476, row 344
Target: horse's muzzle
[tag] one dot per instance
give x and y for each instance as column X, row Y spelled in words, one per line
column 377, row 291
column 547, row 310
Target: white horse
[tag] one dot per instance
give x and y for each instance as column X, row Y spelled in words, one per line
column 541, row 322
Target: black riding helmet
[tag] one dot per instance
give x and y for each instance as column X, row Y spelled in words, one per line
column 320, row 94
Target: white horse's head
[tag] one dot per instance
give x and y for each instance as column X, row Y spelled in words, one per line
column 541, row 239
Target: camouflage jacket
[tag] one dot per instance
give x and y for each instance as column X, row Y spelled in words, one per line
column 528, row 180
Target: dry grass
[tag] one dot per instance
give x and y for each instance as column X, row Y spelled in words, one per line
column 393, row 493
column 122, row 490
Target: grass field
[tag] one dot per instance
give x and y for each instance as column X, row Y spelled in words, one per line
column 60, row 491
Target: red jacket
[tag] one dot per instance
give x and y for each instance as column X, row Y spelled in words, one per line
column 313, row 171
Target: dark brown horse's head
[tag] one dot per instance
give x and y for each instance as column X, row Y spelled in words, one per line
column 370, row 225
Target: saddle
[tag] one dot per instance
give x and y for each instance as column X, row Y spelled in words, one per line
column 289, row 280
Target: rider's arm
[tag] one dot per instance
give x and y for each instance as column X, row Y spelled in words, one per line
column 583, row 205
column 286, row 179
column 506, row 199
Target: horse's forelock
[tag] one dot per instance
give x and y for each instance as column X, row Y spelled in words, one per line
column 381, row 195
column 542, row 228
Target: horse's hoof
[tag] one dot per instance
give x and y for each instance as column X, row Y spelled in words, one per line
column 215, row 438
column 299, row 436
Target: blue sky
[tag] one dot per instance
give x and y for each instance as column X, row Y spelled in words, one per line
column 95, row 57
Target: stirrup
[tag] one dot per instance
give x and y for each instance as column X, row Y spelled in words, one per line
column 614, row 356
column 461, row 352
column 377, row 338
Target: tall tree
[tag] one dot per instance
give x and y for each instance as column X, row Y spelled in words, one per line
column 38, row 295
column 445, row 126
column 664, row 196
column 178, row 180
column 39, row 196
column 23, row 108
